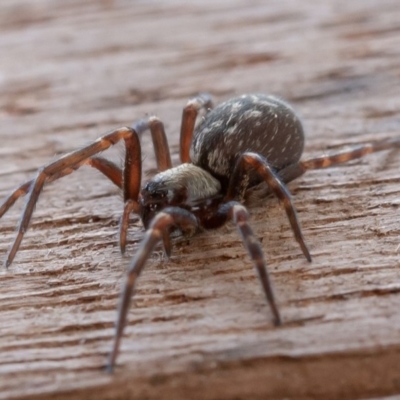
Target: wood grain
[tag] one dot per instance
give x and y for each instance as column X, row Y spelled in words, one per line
column 199, row 327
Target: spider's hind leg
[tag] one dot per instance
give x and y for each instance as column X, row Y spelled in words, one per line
column 354, row 152
column 357, row 151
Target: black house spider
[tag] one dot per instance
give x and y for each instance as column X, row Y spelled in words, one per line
column 240, row 143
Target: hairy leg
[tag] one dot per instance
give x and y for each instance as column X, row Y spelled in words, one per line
column 170, row 216
column 109, row 169
column 357, row 151
column 159, row 138
column 238, row 186
column 70, row 162
column 236, row 212
column 189, row 116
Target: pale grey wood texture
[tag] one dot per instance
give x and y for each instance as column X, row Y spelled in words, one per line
column 200, row 328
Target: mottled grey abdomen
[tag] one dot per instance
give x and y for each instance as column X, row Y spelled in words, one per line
column 258, row 123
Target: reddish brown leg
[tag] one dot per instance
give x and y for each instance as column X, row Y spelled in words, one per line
column 293, row 171
column 132, row 175
column 160, row 142
column 356, row 151
column 189, row 116
column 129, row 207
column 69, row 162
column 163, row 159
column 109, row 169
column 160, row 225
column 238, row 185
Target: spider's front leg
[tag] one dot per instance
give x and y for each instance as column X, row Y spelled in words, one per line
column 131, row 176
column 106, row 167
column 159, row 138
column 238, row 185
column 163, row 159
column 158, row 230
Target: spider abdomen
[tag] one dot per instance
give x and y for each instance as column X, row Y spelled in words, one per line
column 257, row 123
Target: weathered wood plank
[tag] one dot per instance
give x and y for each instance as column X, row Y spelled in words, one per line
column 71, row 71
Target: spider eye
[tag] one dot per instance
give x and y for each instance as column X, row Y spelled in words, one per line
column 152, row 195
column 158, row 195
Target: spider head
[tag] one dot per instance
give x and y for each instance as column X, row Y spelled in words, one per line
column 153, row 198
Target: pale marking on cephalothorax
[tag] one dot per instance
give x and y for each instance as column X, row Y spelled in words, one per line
column 197, row 182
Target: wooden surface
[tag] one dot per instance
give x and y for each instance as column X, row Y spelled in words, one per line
column 199, row 327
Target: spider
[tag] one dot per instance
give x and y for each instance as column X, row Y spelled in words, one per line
column 237, row 145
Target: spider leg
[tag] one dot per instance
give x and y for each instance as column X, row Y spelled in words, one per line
column 160, row 142
column 238, row 185
column 167, row 218
column 72, row 161
column 238, row 214
column 293, row 171
column 163, row 159
column 189, row 116
column 167, row 244
column 356, row 151
column 109, row 169
column 15, row 195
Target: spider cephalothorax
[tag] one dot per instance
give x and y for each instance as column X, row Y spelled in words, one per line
column 243, row 141
column 182, row 186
